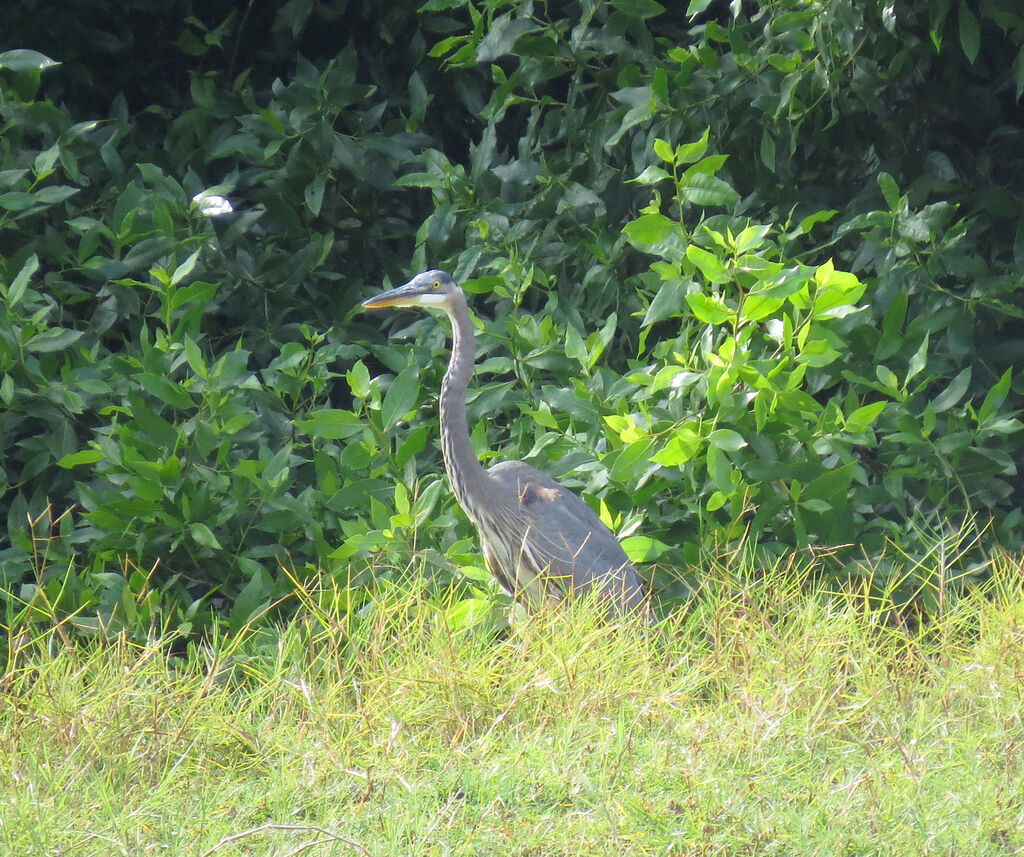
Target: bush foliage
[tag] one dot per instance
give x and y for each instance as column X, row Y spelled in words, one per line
column 744, row 275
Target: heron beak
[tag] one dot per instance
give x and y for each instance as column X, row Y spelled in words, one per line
column 402, row 296
column 414, row 293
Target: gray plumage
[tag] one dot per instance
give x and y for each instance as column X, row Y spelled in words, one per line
column 541, row 541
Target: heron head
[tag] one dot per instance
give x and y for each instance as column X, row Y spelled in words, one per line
column 429, row 289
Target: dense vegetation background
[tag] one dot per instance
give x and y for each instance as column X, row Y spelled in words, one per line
column 747, row 275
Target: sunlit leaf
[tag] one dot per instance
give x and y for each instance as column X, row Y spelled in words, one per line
column 709, row 309
column 331, row 424
column 26, row 60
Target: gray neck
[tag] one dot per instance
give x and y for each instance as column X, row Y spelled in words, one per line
column 468, row 478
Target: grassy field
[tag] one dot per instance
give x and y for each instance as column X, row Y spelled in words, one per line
column 762, row 720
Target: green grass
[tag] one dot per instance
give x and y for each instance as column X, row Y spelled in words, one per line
column 762, row 720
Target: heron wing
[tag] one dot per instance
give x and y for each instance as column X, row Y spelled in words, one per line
column 562, row 534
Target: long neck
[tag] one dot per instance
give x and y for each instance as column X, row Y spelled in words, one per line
column 464, row 470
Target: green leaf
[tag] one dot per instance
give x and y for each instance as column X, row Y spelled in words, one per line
column 55, row 193
column 809, row 222
column 408, row 444
column 995, row 397
column 629, row 461
column 751, row 238
column 475, row 573
column 970, row 32
column 668, row 302
column 757, row 307
column 400, row 397
column 26, row 60
column 358, row 378
column 888, row 379
column 195, row 357
column 663, row 149
column 166, row 390
column 716, row 501
column 502, row 36
column 719, row 468
column 682, row 446
column 688, row 153
column 43, row 164
column 54, row 339
column 291, row 356
column 252, row 600
column 467, row 613
column 864, row 417
column 706, row 190
column 17, row 200
column 709, row 264
column 421, row 180
column 643, row 548
column 649, row 229
column 817, row 353
column 331, row 424
column 425, row 503
column 85, row 456
column 203, row 535
column 652, row 175
column 890, row 190
column 184, row 269
column 727, row 439
column 918, row 360
column 953, row 393
column 20, row 282
column 279, row 464
column 575, row 347
column 816, row 505
column 767, row 150
column 709, row 309
column 314, row 195
column 197, row 291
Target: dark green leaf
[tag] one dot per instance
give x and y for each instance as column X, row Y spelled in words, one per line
column 54, row 339
column 970, row 32
column 20, row 282
column 890, row 190
column 953, row 393
column 502, row 36
column 203, row 535
column 667, row 302
column 400, row 397
column 706, row 190
column 165, row 390
column 995, row 397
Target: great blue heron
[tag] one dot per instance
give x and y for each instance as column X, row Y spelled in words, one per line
column 539, row 540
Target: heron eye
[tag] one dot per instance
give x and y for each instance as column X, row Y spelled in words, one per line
column 436, row 285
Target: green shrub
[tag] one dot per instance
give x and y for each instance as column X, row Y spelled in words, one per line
column 720, row 291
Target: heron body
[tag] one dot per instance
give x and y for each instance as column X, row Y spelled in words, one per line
column 540, row 541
